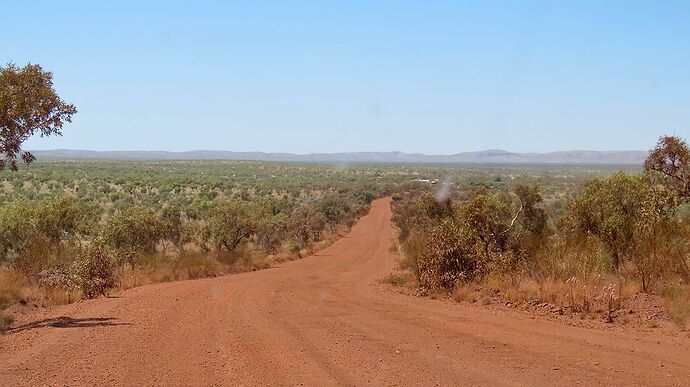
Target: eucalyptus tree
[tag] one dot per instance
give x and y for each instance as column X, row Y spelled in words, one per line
column 28, row 105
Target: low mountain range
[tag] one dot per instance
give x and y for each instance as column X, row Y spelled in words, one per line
column 493, row 156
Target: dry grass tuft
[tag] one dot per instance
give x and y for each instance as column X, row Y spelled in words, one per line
column 10, row 287
column 15, row 288
column 5, row 321
column 398, row 278
column 438, row 294
column 677, row 301
column 596, row 296
column 465, row 293
column 197, row 265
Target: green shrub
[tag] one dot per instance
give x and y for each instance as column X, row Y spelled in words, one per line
column 306, row 225
column 271, row 233
column 230, row 223
column 35, row 231
column 450, row 255
column 94, row 271
column 139, row 229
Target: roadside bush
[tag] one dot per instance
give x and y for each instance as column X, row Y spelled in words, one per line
column 173, row 227
column 37, row 254
column 138, row 228
column 94, row 271
column 419, row 214
column 34, row 232
column 623, row 212
column 59, row 277
column 271, row 233
column 570, row 255
column 334, row 209
column 306, row 225
column 489, row 218
column 533, row 220
column 450, row 255
column 631, row 215
column 230, row 223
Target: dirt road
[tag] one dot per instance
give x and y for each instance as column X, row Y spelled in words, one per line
column 320, row 321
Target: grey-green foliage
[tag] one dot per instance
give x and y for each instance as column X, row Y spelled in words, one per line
column 449, row 256
column 231, row 222
column 271, row 232
column 22, row 222
column 137, row 228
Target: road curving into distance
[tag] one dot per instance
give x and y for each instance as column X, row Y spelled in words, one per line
column 322, row 320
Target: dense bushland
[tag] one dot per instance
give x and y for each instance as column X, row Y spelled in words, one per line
column 47, row 242
column 627, row 228
column 74, row 243
column 165, row 220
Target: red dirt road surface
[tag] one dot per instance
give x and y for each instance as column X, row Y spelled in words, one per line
column 322, row 320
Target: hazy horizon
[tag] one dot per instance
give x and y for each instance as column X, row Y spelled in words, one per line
column 479, row 157
column 316, row 152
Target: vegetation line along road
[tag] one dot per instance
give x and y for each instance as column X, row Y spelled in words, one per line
column 318, row 320
column 615, row 250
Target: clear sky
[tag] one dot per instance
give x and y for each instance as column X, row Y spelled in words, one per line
column 327, row 76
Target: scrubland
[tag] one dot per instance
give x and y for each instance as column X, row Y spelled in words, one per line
column 605, row 243
column 615, row 249
column 73, row 230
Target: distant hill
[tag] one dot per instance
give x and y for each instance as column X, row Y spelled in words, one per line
column 493, row 156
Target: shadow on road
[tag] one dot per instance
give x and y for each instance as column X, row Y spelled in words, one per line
column 67, row 322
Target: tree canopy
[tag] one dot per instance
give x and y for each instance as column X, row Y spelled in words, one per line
column 28, row 104
column 671, row 160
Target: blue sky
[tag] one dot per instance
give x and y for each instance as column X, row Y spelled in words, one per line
column 327, row 76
